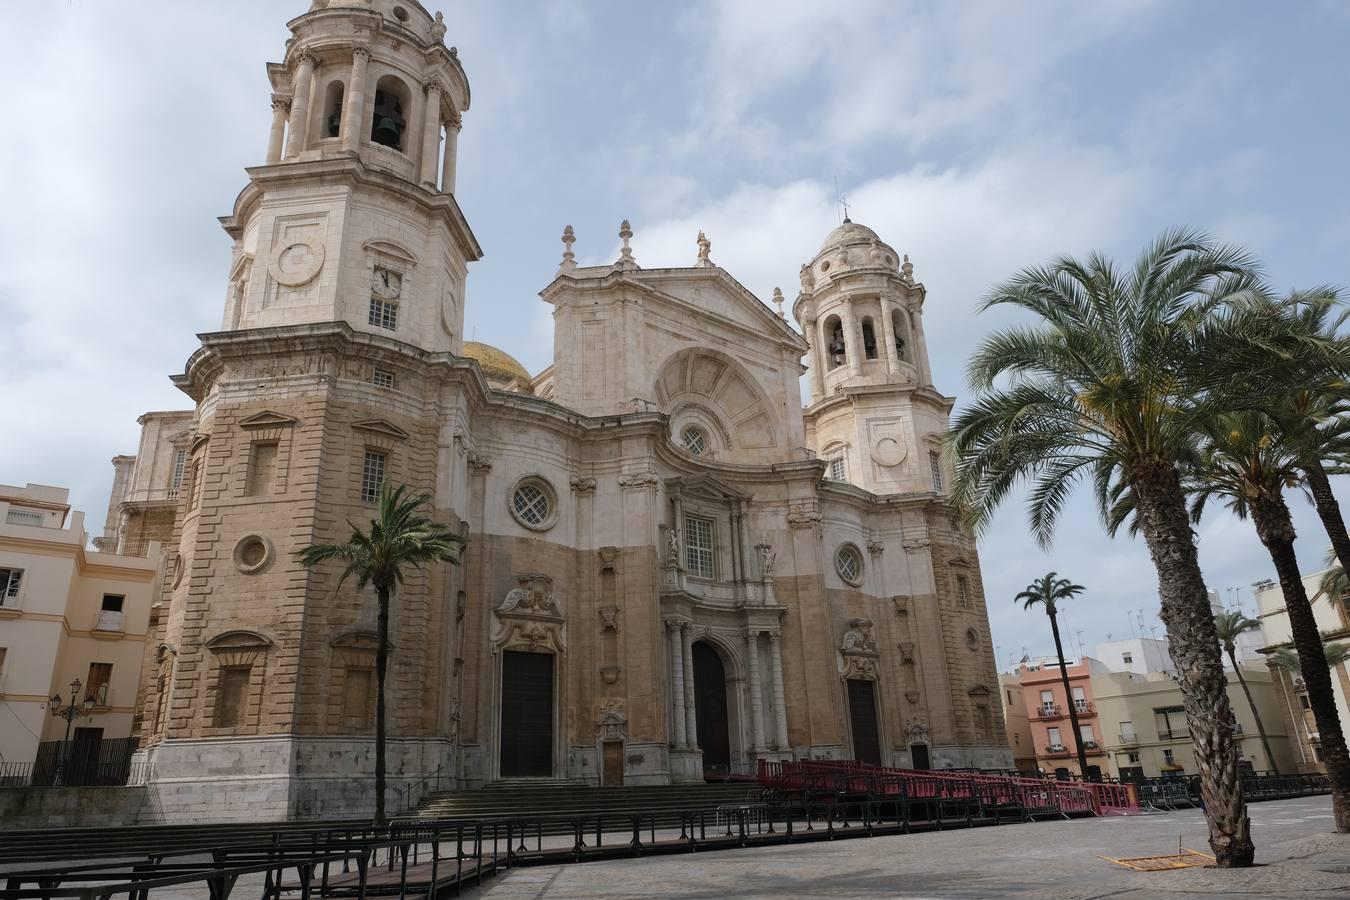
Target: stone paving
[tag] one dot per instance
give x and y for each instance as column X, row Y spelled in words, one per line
column 1295, row 851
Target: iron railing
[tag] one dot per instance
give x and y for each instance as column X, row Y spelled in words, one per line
column 75, row 763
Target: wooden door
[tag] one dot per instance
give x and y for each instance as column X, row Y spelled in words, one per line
column 612, row 772
column 862, row 712
column 710, row 710
column 918, row 757
column 527, row 715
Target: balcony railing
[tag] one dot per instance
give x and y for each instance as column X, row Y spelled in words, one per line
column 1049, row 711
column 1056, row 750
column 1165, row 735
column 1129, row 740
column 1084, row 708
column 1089, row 745
column 109, row 620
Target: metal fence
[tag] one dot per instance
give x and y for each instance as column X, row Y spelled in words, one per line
column 74, row 764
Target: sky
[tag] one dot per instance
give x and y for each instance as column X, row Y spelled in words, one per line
column 978, row 137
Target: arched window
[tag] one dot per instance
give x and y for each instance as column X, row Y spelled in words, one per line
column 388, row 125
column 900, row 326
column 869, row 335
column 835, row 353
column 332, row 109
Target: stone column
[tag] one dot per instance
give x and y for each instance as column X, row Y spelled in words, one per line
column 677, row 703
column 779, row 700
column 452, row 127
column 815, row 359
column 354, row 110
column 852, row 344
column 677, row 504
column 690, row 718
column 756, row 695
column 920, row 349
column 281, row 105
column 431, row 133
column 888, row 333
column 297, row 134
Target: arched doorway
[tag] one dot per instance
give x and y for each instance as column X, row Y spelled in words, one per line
column 710, row 709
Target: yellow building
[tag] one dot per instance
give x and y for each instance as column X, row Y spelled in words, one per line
column 66, row 614
column 1144, row 728
column 1017, row 724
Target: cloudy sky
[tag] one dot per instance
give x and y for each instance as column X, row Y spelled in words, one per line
column 976, row 137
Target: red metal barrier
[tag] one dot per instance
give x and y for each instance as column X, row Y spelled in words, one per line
column 853, row 777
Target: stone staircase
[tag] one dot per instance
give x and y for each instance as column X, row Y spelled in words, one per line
column 526, row 799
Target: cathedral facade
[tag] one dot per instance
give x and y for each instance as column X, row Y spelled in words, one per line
column 674, row 568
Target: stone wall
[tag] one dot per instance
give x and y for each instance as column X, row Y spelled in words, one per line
column 78, row 807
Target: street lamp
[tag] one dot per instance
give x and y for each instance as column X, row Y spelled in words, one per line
column 70, row 713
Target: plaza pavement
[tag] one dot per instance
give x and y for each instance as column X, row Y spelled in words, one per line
column 1295, row 848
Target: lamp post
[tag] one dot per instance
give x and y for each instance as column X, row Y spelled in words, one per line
column 70, row 713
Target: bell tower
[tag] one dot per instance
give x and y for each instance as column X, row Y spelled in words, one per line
column 352, row 217
column 874, row 415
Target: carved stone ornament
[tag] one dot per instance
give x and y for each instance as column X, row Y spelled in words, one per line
column 766, row 560
column 610, row 674
column 901, row 602
column 297, row 263
column 529, row 618
column 478, row 462
column 889, row 451
column 917, row 728
column 674, row 538
column 912, row 696
column 609, row 617
column 858, row 650
column 639, row 480
column 804, row 516
column 875, row 547
column 906, row 651
column 612, row 725
column 608, row 556
column 583, row 485
column 918, row 545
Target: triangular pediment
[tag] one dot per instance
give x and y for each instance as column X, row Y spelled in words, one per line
column 380, row 426
column 713, row 291
column 706, row 486
column 266, row 419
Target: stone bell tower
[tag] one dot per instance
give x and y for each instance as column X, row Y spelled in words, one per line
column 874, row 414
column 353, row 218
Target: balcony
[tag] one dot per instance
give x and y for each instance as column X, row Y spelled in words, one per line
column 109, row 621
column 1165, row 735
column 1084, row 708
column 1050, row 711
column 1090, row 745
column 1129, row 740
column 1056, row 750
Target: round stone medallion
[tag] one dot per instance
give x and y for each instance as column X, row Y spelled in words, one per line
column 297, row 263
column 888, row 451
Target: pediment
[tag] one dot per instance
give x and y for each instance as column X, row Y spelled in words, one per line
column 391, row 248
column 708, row 486
column 266, row 419
column 978, row 690
column 714, row 291
column 381, row 427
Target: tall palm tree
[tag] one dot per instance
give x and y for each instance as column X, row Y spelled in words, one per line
column 1335, row 585
column 1111, row 379
column 1245, row 461
column 1231, row 625
column 1048, row 592
column 399, row 538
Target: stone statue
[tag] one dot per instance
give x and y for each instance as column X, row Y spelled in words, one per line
column 858, row 638
column 704, row 249
column 674, row 538
column 808, row 280
column 438, row 28
column 766, row 560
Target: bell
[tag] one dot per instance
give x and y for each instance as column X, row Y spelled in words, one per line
column 387, row 131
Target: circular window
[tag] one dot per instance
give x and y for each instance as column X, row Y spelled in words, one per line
column 400, row 13
column 825, row 267
column 848, row 563
column 252, row 553
column 533, row 505
column 695, row 441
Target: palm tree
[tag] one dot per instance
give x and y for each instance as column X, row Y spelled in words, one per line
column 1334, row 584
column 1232, row 624
column 401, row 537
column 1290, row 661
column 1112, row 379
column 1246, row 462
column 1048, row 592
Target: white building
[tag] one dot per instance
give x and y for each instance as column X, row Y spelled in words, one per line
column 1137, row 655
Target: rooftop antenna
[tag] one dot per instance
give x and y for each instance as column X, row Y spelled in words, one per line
column 1080, row 643
column 1129, row 618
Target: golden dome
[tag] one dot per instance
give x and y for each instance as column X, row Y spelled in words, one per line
column 497, row 365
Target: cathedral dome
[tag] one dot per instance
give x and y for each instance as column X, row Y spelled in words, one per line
column 849, row 233
column 497, row 365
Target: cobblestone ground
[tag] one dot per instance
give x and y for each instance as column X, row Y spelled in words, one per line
column 1298, row 856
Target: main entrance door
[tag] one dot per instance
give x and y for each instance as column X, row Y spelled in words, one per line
column 710, row 709
column 527, row 715
column 862, row 712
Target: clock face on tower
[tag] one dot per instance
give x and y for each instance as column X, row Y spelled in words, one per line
column 386, row 285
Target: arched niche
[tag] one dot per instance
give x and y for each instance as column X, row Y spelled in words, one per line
column 389, row 121
column 717, row 391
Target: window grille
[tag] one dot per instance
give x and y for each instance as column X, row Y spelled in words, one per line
column 10, row 580
column 382, row 378
column 848, row 563
column 372, row 476
column 963, row 590
column 176, row 479
column 383, row 314
column 935, row 466
column 26, row 517
column 838, row 469
column 531, row 503
column 694, row 441
column 698, row 547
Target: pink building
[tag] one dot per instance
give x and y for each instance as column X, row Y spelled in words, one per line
column 1047, row 708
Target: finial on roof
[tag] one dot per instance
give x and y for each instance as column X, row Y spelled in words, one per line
column 569, row 260
column 778, row 301
column 704, row 248
column 626, row 260
column 907, row 270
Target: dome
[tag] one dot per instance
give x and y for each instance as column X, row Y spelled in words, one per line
column 849, row 233
column 497, row 365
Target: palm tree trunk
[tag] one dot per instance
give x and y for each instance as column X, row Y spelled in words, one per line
column 1068, row 693
column 1260, row 727
column 1275, row 527
column 1329, row 510
column 1193, row 643
column 381, row 666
